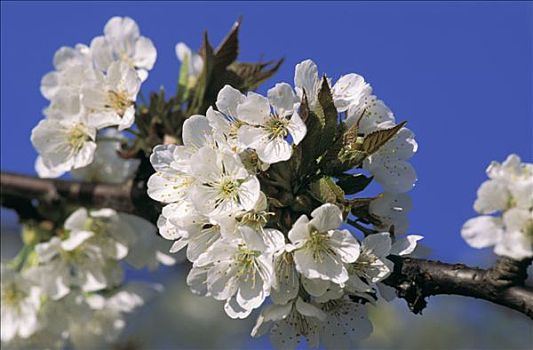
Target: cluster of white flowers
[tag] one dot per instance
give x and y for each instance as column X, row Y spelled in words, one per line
column 508, row 195
column 66, row 285
column 215, row 208
column 92, row 87
column 71, row 270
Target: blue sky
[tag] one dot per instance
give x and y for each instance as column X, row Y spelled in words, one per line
column 459, row 73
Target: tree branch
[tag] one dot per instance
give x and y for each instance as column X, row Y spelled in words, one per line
column 129, row 197
column 413, row 279
column 417, row 279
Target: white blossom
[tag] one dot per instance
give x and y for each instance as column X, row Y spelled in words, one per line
column 194, row 60
column 174, row 176
column 86, row 257
column 73, row 68
column 62, row 146
column 350, row 89
column 181, row 223
column 122, row 42
column 508, row 196
column 289, row 322
column 21, row 301
column 269, row 123
column 223, row 185
column 226, row 121
column 321, row 250
column 391, row 210
column 372, row 264
column 237, row 273
column 110, row 100
column 390, row 166
column 346, row 323
column 286, row 281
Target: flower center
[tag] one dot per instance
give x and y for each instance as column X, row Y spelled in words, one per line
column 255, row 219
column 318, row 244
column 235, row 125
column 95, row 225
column 124, row 57
column 12, row 296
column 247, row 266
column 229, row 188
column 119, row 101
column 76, row 137
column 277, row 127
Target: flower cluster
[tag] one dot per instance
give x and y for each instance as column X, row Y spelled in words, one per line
column 66, row 286
column 92, row 88
column 508, row 195
column 217, row 188
column 79, row 268
column 258, row 191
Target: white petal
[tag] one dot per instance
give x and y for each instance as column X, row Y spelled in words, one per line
column 44, row 170
column 75, row 239
column 309, row 310
column 326, row 217
column 349, row 90
column 234, row 310
column 228, row 99
column 282, row 98
column 326, row 267
column 249, row 192
column 196, row 131
column 102, row 53
column 378, row 244
column 286, row 284
column 396, row 176
column 515, row 245
column 168, row 188
column 482, row 231
column 274, row 150
column 252, row 137
column 254, row 110
column 221, row 280
column 492, row 196
column 122, row 32
column 345, row 245
column 405, row 245
column 300, row 230
column 77, row 220
column 306, row 78
column 251, row 294
column 315, row 287
column 145, row 54
column 297, row 128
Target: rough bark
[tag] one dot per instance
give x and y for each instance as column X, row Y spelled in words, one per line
column 417, row 279
column 413, row 279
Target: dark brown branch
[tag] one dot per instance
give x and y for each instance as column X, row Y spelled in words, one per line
column 413, row 279
column 129, row 197
column 417, row 279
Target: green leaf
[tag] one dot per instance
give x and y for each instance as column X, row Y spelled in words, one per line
column 326, row 191
column 327, row 114
column 228, row 50
column 248, row 76
column 375, row 140
column 309, row 148
column 183, row 81
column 352, row 184
column 204, row 79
